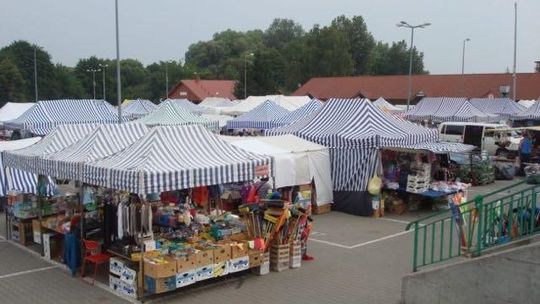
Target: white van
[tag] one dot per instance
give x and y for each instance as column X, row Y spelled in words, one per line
column 482, row 136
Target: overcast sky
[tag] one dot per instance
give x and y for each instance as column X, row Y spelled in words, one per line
column 153, row 30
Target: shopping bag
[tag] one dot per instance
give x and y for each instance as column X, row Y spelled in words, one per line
column 374, row 185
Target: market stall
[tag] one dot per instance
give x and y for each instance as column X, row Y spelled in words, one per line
column 384, row 105
column 297, row 114
column 188, row 105
column 503, row 107
column 170, row 112
column 418, row 174
column 297, row 162
column 10, row 111
column 354, row 141
column 290, row 103
column 159, row 219
column 259, row 118
column 46, row 115
column 528, row 117
column 441, row 109
column 137, row 108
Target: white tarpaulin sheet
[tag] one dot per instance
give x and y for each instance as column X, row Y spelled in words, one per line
column 296, row 161
column 13, row 110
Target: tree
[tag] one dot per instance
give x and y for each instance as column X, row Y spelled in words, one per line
column 68, row 85
column 21, row 54
column 394, row 59
column 11, row 82
column 361, row 42
column 281, row 32
column 328, row 53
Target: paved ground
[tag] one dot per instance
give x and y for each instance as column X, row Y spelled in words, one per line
column 358, row 260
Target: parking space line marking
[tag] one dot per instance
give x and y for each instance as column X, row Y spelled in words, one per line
column 393, row 220
column 361, row 244
column 330, row 243
column 26, row 272
column 381, row 239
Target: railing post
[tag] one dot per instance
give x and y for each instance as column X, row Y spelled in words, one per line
column 415, row 247
column 532, row 215
column 479, row 202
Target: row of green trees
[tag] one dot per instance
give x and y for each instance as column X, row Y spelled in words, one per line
column 277, row 60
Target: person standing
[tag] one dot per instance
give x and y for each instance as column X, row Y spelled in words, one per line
column 525, row 148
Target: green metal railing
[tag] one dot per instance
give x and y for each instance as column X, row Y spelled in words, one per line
column 496, row 218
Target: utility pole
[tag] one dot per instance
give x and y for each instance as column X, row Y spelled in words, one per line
column 35, row 73
column 514, row 92
column 118, row 83
column 103, row 69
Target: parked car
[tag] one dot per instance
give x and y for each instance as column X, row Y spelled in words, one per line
column 482, row 135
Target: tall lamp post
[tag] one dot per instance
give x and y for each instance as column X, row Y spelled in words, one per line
column 35, row 73
column 103, row 69
column 245, row 74
column 412, row 27
column 93, row 71
column 118, row 83
column 463, row 56
column 514, row 79
column 166, row 80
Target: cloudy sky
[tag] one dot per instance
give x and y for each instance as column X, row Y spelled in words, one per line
column 153, row 30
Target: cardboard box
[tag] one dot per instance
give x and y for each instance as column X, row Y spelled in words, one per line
column 238, row 264
column 129, row 290
column 255, row 258
column 239, row 249
column 205, row 273
column 222, row 253
column 36, row 229
column 128, row 276
column 154, row 285
column 115, row 266
column 49, row 245
column 115, row 283
column 205, row 257
column 155, row 270
column 295, row 258
column 321, row 209
column 186, row 278
column 220, row 269
column 186, row 263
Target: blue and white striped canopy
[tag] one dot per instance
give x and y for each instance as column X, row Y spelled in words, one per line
column 175, row 157
column 137, row 108
column 46, row 115
column 354, row 130
column 260, row 117
column 297, row 114
column 102, row 142
column 441, row 109
column 14, row 179
column 425, row 109
column 533, row 112
column 188, row 105
column 170, row 112
column 438, row 147
column 504, row 107
column 63, row 136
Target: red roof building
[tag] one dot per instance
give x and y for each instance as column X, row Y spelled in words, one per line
column 395, row 88
column 197, row 90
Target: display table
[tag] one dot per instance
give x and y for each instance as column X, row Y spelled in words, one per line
column 430, row 193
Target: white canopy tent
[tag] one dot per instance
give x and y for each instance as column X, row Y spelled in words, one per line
column 296, row 161
column 12, row 110
column 526, row 103
column 290, row 103
column 384, row 105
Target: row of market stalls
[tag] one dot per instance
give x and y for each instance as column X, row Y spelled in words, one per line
column 441, row 109
column 355, row 142
column 163, row 186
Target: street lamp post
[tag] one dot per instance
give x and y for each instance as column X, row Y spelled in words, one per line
column 118, row 83
column 412, row 27
column 463, row 57
column 166, row 80
column 514, row 79
column 35, row 73
column 103, row 68
column 93, row 71
column 245, row 74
